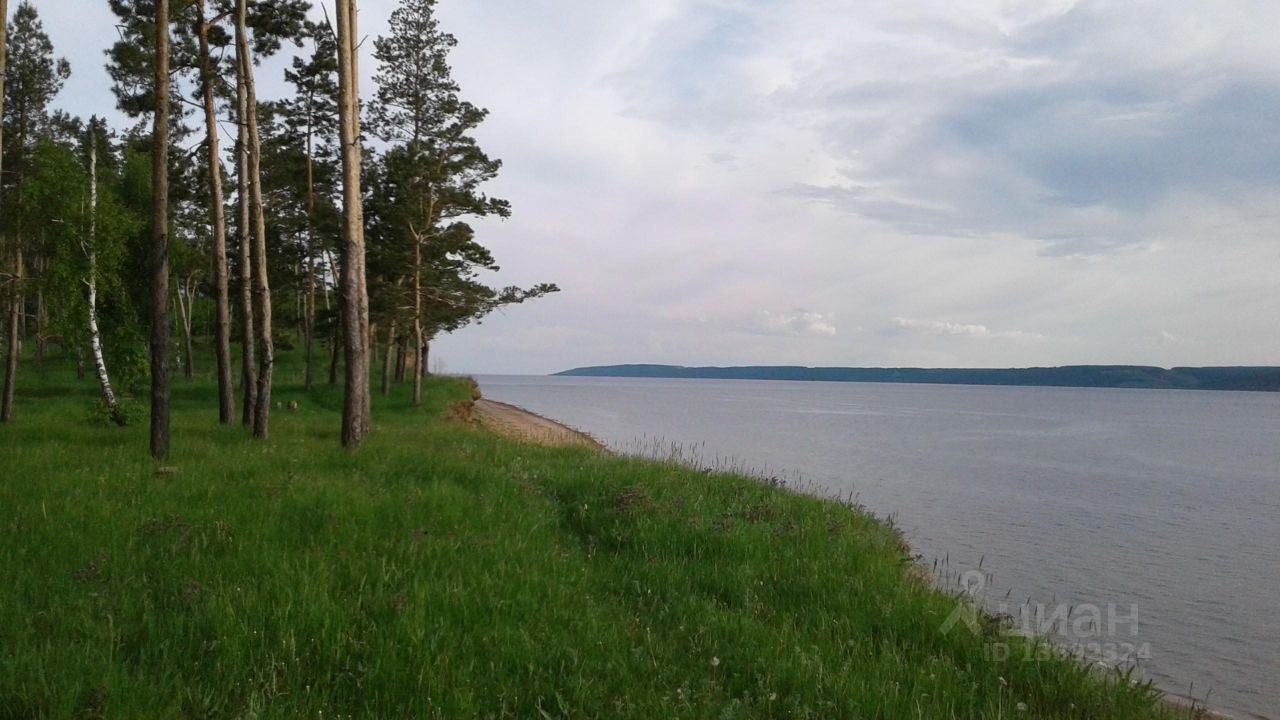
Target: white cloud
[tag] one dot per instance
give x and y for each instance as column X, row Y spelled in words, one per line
column 934, row 327
column 799, row 322
column 938, row 327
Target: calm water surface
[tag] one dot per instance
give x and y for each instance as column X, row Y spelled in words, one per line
column 1157, row 512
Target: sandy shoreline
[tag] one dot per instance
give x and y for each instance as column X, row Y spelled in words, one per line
column 520, row 424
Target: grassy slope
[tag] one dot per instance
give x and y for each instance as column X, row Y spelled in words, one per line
column 442, row 572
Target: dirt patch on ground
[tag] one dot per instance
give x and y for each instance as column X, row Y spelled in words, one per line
column 520, row 424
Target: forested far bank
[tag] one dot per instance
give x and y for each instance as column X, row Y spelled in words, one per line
column 1265, row 379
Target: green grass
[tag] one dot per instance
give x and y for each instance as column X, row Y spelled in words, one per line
column 444, row 572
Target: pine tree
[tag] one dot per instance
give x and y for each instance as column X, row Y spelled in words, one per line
column 356, row 406
column 133, row 62
column 310, row 121
column 217, row 217
column 435, row 166
column 160, row 391
column 257, row 223
column 32, row 77
column 13, row 313
column 200, row 26
column 271, row 23
column 432, row 177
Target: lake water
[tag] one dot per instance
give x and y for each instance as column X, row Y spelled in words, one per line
column 1151, row 517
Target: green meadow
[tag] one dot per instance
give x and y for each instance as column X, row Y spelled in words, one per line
column 443, row 572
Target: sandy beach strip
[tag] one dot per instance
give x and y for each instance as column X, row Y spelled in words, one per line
column 520, row 424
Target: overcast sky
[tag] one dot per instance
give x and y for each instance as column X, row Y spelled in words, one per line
column 868, row 183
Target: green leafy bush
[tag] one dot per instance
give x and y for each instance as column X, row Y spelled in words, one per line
column 126, row 412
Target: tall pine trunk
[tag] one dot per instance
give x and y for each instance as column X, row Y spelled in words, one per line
column 417, row 314
column 15, row 341
column 402, row 356
column 160, row 241
column 356, row 420
column 217, row 215
column 420, row 340
column 257, row 221
column 386, row 360
column 335, row 352
column 11, row 361
column 248, row 363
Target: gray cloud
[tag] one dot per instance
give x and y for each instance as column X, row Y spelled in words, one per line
column 1126, row 145
column 1103, row 175
column 1043, row 125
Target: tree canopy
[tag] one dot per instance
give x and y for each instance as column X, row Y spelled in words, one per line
column 79, row 221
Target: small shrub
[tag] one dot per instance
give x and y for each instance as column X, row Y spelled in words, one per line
column 461, row 412
column 130, row 367
column 126, row 412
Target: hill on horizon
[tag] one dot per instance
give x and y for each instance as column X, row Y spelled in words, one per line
column 1260, row 379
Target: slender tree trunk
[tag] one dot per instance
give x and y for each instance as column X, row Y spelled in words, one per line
column 420, row 340
column 95, row 337
column 300, row 297
column 217, row 215
column 261, row 285
column 185, row 294
column 386, row 360
column 309, row 323
column 330, row 275
column 335, row 352
column 42, row 310
column 248, row 363
column 15, row 342
column 402, row 357
column 335, row 339
column 11, row 361
column 177, row 361
column 188, row 321
column 19, row 307
column 417, row 313
column 160, row 241
column 356, row 420
column 424, row 354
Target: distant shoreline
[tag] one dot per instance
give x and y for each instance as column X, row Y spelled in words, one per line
column 1241, row 379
